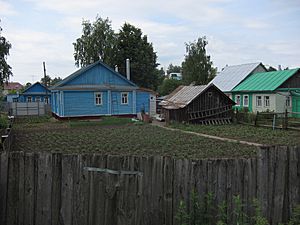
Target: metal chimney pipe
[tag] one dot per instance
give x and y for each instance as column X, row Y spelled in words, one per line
column 128, row 69
column 116, row 68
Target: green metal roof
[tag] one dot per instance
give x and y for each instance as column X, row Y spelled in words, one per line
column 267, row 81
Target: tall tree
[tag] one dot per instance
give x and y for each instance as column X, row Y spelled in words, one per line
column 55, row 80
column 168, row 85
column 173, row 69
column 5, row 69
column 97, row 40
column 46, row 80
column 132, row 44
column 197, row 66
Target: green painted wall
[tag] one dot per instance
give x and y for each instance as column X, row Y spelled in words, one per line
column 296, row 105
column 242, row 101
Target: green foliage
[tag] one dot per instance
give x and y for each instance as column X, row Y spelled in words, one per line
column 97, row 39
column 168, row 85
column 55, row 80
column 132, row 44
column 238, row 213
column 46, row 81
column 5, row 69
column 258, row 219
column 295, row 220
column 181, row 216
column 222, row 214
column 197, row 66
column 49, row 81
column 3, row 122
column 173, row 69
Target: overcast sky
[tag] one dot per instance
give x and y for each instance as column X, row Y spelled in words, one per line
column 237, row 31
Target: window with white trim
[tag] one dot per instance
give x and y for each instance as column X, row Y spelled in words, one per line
column 258, row 101
column 288, row 101
column 246, row 101
column 238, row 100
column 124, row 98
column 46, row 100
column 98, row 98
column 29, row 99
column 266, row 101
column 37, row 98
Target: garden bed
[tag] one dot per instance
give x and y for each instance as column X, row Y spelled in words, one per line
column 121, row 138
column 241, row 132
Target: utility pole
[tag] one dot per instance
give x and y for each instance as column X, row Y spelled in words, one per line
column 45, row 82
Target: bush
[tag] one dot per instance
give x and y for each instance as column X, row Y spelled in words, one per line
column 3, row 122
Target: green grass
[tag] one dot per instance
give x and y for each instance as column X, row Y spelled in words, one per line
column 246, row 133
column 128, row 139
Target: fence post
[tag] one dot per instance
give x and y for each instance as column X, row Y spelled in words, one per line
column 256, row 119
column 285, row 125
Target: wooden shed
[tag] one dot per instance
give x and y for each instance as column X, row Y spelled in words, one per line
column 204, row 104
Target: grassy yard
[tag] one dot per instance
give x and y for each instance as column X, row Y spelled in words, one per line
column 246, row 133
column 122, row 137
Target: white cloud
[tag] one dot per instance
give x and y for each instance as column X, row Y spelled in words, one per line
column 6, row 9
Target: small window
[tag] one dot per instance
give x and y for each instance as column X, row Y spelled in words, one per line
column 98, row 98
column 124, row 98
column 46, row 100
column 288, row 101
column 38, row 99
column 238, row 100
column 209, row 94
column 15, row 99
column 29, row 99
column 246, row 100
column 267, row 101
column 258, row 101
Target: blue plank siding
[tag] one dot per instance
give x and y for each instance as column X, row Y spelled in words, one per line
column 97, row 75
column 35, row 91
column 117, row 107
column 82, row 103
column 142, row 101
column 75, row 95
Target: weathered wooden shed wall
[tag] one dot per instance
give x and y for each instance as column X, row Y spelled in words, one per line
column 45, row 188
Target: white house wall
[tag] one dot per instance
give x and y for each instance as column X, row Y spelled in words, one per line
column 281, row 103
column 263, row 108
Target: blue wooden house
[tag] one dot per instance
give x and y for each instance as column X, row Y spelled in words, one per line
column 35, row 93
column 98, row 90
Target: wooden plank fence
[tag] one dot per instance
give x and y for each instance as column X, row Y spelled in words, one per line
column 29, row 108
column 45, row 188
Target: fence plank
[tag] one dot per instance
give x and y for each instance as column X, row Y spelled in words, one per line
column 56, row 188
column 67, row 190
column 4, row 157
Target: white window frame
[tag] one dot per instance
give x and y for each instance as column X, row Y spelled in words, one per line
column 98, row 99
column 236, row 99
column 246, row 105
column 267, row 101
column 46, row 100
column 256, row 100
column 127, row 98
column 27, row 99
column 38, row 99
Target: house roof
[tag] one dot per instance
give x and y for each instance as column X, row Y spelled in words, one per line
column 36, row 83
column 182, row 96
column 12, row 86
column 268, row 81
column 231, row 76
column 82, row 70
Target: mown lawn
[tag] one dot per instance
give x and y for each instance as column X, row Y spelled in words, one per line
column 246, row 133
column 122, row 138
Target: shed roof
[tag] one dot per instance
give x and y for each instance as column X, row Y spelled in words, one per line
column 182, row 96
column 267, row 81
column 231, row 76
